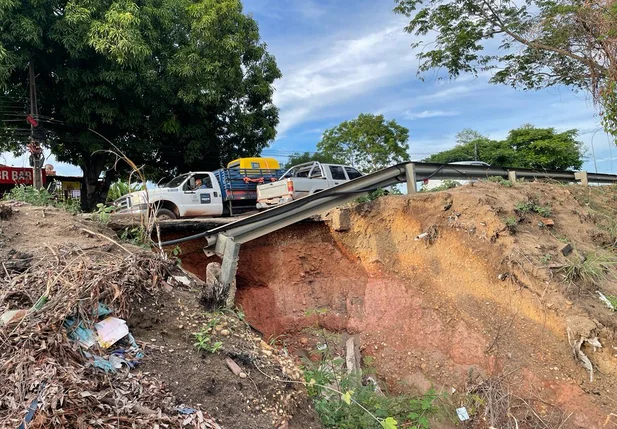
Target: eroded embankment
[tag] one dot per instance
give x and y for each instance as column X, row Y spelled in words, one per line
column 473, row 296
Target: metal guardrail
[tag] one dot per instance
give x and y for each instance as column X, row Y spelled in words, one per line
column 279, row 217
column 461, row 172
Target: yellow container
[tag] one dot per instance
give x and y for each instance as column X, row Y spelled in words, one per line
column 254, row 164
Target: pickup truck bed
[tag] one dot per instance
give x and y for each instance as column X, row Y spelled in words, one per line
column 302, row 180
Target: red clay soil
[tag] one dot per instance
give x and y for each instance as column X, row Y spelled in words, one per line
column 473, row 297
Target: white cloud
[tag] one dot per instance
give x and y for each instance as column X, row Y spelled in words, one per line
column 428, row 114
column 334, row 72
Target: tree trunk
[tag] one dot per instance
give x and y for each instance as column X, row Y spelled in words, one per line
column 93, row 191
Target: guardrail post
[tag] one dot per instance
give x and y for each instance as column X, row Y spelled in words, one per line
column 410, row 175
column 582, row 176
column 225, row 285
column 512, row 176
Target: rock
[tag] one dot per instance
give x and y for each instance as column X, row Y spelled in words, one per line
column 549, row 223
column 234, row 367
column 341, row 220
column 567, row 249
column 225, row 332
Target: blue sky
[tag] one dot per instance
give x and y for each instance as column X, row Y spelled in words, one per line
column 340, row 58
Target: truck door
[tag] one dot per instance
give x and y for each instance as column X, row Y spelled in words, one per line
column 338, row 175
column 203, row 199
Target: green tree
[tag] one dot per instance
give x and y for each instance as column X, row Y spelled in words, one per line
column 367, row 143
column 301, row 158
column 174, row 84
column 525, row 147
column 539, row 43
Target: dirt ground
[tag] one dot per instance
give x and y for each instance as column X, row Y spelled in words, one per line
column 163, row 326
column 486, row 291
column 204, row 379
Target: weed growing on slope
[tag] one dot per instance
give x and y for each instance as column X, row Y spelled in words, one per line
column 590, row 269
column 500, row 180
column 533, row 206
column 345, row 401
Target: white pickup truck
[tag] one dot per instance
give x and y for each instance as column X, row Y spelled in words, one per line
column 223, row 192
column 301, row 180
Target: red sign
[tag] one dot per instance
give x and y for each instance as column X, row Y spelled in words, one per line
column 17, row 175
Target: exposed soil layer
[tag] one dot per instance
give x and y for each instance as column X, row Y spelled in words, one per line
column 486, row 291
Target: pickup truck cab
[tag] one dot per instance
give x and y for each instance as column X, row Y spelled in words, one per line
column 302, row 180
column 203, row 193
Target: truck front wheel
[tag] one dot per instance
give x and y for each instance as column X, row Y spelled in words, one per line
column 164, row 214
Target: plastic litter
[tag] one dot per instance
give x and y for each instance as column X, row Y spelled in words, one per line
column 462, row 414
column 606, row 301
column 12, row 316
column 110, row 331
column 84, row 336
column 183, row 280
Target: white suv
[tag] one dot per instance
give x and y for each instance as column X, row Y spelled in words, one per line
column 435, row 183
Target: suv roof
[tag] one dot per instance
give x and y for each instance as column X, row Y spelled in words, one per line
column 481, row 163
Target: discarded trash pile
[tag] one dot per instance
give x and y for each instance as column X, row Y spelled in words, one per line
column 65, row 351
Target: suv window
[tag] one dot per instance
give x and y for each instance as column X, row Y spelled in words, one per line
column 352, row 173
column 337, row 172
column 303, row 173
column 316, row 172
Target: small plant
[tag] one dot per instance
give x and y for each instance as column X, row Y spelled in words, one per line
column 376, row 194
column 546, row 258
column 532, row 206
column 500, row 180
column 136, row 235
column 315, row 311
column 203, row 342
column 103, row 213
column 613, row 300
column 511, row 222
column 120, row 188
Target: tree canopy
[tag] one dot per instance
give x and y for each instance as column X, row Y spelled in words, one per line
column 301, row 158
column 175, row 84
column 368, row 142
column 530, row 44
column 525, row 147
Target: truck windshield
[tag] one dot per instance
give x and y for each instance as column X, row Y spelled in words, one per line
column 176, row 181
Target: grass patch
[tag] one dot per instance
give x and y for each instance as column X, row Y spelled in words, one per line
column 590, row 269
column 41, row 198
column 500, row 180
column 511, row 222
column 351, row 401
column 533, row 206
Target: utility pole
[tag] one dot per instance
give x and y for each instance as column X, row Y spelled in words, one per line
column 36, row 152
